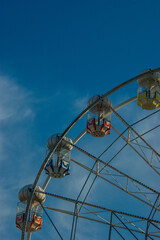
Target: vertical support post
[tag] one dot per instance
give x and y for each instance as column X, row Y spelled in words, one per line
column 151, row 215
column 152, row 158
column 146, row 235
column 127, row 184
column 46, row 182
column 129, row 133
column 75, row 228
column 97, row 167
column 29, row 236
column 110, row 229
column 77, row 212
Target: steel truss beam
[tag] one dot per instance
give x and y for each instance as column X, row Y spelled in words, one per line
column 116, row 182
column 140, row 152
column 115, row 219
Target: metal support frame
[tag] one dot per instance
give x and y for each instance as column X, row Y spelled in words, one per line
column 110, row 228
column 60, row 139
column 92, row 216
column 151, row 215
column 125, row 226
column 113, row 168
column 140, row 137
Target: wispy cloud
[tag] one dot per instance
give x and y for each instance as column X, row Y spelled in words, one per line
column 80, row 103
column 14, row 100
column 16, row 110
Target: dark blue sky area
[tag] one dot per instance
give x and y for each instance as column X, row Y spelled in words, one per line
column 58, row 43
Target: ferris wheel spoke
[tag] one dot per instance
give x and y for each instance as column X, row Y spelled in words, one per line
column 97, row 207
column 126, row 226
column 152, row 157
column 138, row 135
column 130, row 144
column 117, row 184
column 95, row 220
column 127, row 183
column 47, row 180
column 140, row 146
column 29, row 236
column 74, row 222
column 125, row 188
column 151, row 215
column 132, row 223
column 109, row 166
column 144, row 118
column 93, row 212
column 96, row 163
column 145, row 133
column 145, row 147
column 49, row 218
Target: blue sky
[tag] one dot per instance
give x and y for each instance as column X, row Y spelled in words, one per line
column 54, row 56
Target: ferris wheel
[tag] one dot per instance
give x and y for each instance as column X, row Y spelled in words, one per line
column 108, row 171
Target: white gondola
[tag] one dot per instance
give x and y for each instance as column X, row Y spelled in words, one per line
column 149, row 91
column 34, row 219
column 59, row 164
column 99, row 117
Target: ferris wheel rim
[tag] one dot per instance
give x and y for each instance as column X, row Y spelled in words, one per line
column 64, row 134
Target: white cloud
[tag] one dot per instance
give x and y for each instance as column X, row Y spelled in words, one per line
column 14, row 101
column 6, row 211
column 16, row 110
column 80, row 103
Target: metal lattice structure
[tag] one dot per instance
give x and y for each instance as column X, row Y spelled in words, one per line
column 134, row 142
